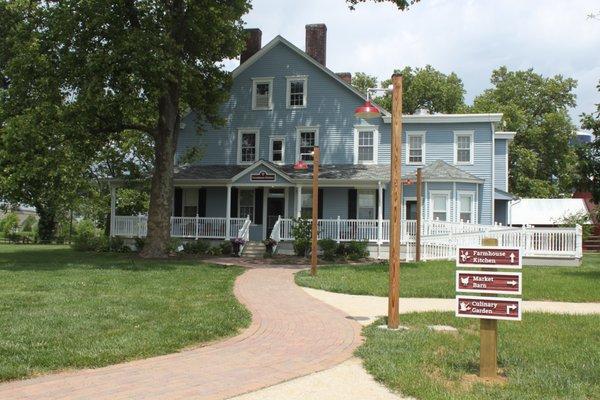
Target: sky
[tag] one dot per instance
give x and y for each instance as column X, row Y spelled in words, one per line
column 469, row 37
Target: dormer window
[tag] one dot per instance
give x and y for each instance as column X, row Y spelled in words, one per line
column 296, row 91
column 262, row 93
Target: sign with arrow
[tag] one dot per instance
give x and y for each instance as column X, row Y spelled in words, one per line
column 488, row 307
column 490, row 257
column 488, row 282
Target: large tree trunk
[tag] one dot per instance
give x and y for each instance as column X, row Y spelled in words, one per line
column 161, row 191
column 46, row 224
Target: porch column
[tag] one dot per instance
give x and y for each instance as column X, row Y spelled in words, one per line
column 379, row 212
column 228, row 213
column 298, row 201
column 113, row 202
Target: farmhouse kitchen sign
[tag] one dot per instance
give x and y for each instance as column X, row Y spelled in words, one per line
column 492, row 257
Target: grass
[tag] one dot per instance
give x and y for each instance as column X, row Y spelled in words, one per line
column 543, row 357
column 62, row 310
column 436, row 279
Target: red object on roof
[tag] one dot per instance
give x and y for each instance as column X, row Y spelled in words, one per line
column 366, row 111
column 300, row 165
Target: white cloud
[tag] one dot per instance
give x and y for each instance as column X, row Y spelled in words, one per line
column 470, row 38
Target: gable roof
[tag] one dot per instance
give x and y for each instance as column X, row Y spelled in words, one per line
column 442, row 171
column 281, row 40
column 271, row 166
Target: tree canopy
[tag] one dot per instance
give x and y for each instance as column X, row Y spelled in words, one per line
column 401, row 4
column 542, row 159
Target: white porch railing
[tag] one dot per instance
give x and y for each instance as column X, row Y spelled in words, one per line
column 183, row 227
column 535, row 242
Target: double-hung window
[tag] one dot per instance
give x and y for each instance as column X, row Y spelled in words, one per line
column 308, row 138
column 466, row 207
column 366, row 142
column 277, row 150
column 247, row 146
column 262, row 93
column 296, row 91
column 366, row 204
column 306, row 204
column 463, row 147
column 415, row 150
column 190, row 202
column 439, row 205
column 246, row 203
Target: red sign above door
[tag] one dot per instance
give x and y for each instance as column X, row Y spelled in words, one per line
column 488, row 282
column 262, row 176
column 491, row 257
column 488, row 307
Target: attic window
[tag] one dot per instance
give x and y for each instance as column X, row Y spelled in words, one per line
column 262, row 93
column 296, row 91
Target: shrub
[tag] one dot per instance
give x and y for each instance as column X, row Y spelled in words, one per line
column 28, row 224
column 89, row 238
column 10, row 224
column 578, row 218
column 329, row 248
column 301, row 232
column 225, row 247
column 118, row 244
column 214, row 251
column 174, row 245
column 139, row 243
column 356, row 250
column 196, row 247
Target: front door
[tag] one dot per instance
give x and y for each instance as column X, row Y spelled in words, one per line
column 411, row 209
column 275, row 208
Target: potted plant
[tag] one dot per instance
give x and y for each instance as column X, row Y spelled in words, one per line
column 236, row 244
column 270, row 245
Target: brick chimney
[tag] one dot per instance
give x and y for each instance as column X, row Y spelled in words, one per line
column 253, row 43
column 316, row 42
column 345, row 76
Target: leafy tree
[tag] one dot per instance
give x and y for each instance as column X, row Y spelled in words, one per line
column 123, row 66
column 429, row 89
column 10, row 224
column 362, row 82
column 589, row 155
column 542, row 160
column 401, row 4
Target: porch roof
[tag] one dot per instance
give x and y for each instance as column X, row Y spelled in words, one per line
column 436, row 171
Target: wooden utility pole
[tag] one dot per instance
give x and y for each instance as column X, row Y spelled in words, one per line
column 396, row 212
column 419, row 205
column 315, row 211
column 488, row 335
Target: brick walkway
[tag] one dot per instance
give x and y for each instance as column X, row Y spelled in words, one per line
column 292, row 334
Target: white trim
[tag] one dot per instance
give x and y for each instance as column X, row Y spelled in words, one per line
column 372, row 192
column 239, row 198
column 264, row 213
column 241, row 131
column 289, row 80
column 505, row 135
column 367, row 128
column 255, row 165
column 471, row 135
column 471, row 194
column 271, row 140
column 448, row 195
column 446, row 118
column 423, row 146
column 406, row 200
column 485, row 316
column 256, row 81
column 301, row 129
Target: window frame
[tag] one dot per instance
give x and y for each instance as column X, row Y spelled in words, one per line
column 241, row 132
column 471, row 194
column 366, row 128
column 239, row 205
column 432, row 211
column 273, row 139
column 410, row 134
column 299, row 131
column 189, row 194
column 471, row 135
column 306, row 192
column 288, row 91
column 371, row 192
column 257, row 81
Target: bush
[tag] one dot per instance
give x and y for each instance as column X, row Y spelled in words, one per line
column 139, row 243
column 196, row 247
column 225, row 247
column 28, row 224
column 174, row 245
column 10, row 224
column 329, row 248
column 301, row 232
column 579, row 218
column 89, row 238
column 356, row 250
column 117, row 244
column 214, row 251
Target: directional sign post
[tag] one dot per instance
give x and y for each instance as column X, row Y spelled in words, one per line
column 488, row 282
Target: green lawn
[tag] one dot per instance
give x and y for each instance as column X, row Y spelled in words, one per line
column 436, row 279
column 61, row 309
column 543, row 357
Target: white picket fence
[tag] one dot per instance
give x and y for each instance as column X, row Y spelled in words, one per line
column 182, row 227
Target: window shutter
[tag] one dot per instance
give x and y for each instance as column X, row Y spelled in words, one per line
column 202, row 202
column 177, row 202
column 258, row 206
column 352, row 197
column 234, row 202
column 377, row 204
column 383, row 202
column 320, row 199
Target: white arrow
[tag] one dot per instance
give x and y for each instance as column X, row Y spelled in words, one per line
column 510, row 308
column 512, row 283
column 512, row 257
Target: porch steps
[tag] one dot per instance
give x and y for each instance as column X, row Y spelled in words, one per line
column 253, row 250
column 592, row 243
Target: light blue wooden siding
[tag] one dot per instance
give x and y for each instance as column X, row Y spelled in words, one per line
column 216, row 202
column 500, row 160
column 335, row 203
column 330, row 107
